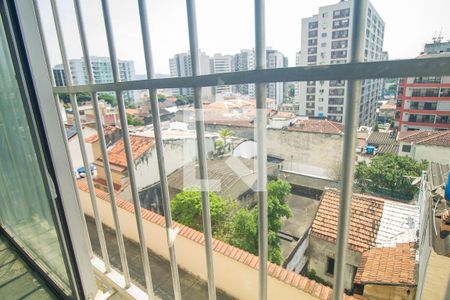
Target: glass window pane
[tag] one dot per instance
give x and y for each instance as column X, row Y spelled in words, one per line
column 26, row 210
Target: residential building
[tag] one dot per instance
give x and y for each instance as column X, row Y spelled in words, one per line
column 245, row 61
column 374, row 223
column 423, row 103
column 432, row 146
column 377, row 276
column 67, row 239
column 231, row 177
column 101, row 67
column 58, row 73
column 437, row 46
column 327, row 39
column 298, row 63
column 180, row 150
column 276, row 90
column 181, row 66
column 222, row 64
column 384, row 142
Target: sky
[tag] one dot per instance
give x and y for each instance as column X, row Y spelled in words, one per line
column 226, row 26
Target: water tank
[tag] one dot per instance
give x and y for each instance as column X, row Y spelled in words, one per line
column 447, row 187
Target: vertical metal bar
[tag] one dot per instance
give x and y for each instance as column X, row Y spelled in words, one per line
column 351, row 118
column 57, row 100
column 103, row 148
column 200, row 131
column 159, row 148
column 261, row 124
column 68, row 75
column 128, row 151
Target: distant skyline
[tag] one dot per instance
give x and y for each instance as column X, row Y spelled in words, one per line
column 228, row 26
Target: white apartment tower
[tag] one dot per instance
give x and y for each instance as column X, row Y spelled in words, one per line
column 101, row 67
column 222, row 64
column 327, row 39
column 275, row 90
column 181, row 66
column 245, row 61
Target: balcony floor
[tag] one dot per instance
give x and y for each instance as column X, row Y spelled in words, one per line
column 192, row 287
column 17, row 279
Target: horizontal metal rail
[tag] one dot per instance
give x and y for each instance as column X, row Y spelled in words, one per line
column 433, row 66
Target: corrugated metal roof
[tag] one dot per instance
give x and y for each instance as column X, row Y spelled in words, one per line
column 437, row 174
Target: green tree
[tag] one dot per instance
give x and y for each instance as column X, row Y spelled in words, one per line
column 389, row 173
column 186, row 208
column 161, row 98
column 81, row 97
column 111, row 100
column 376, row 128
column 133, row 120
column 244, row 233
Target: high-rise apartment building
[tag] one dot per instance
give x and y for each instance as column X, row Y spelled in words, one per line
column 181, row 66
column 275, row 90
column 245, row 61
column 222, row 64
column 327, row 39
column 423, row 103
column 101, row 67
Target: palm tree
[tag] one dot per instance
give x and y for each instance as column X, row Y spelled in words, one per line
column 224, row 134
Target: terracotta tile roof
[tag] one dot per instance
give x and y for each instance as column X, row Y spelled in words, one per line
column 389, row 265
column 108, row 130
column 290, row 278
column 437, row 138
column 139, row 145
column 374, row 221
column 381, row 138
column 364, row 221
column 318, row 126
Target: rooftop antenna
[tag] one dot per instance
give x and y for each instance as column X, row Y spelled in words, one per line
column 437, row 39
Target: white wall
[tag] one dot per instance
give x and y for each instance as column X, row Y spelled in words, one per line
column 177, row 152
column 74, row 148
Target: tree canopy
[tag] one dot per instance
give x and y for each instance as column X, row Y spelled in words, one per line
column 133, row 120
column 234, row 225
column 85, row 97
column 186, row 208
column 389, row 174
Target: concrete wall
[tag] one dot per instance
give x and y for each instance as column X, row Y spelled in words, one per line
column 239, row 131
column 235, row 278
column 319, row 250
column 309, row 181
column 383, row 292
column 177, row 152
column 74, row 148
column 438, row 154
column 311, row 153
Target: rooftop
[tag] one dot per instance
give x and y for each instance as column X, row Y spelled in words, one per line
column 382, row 138
column 108, row 130
column 374, row 222
column 318, row 126
column 421, row 137
column 139, row 145
column 223, row 174
column 390, row 265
